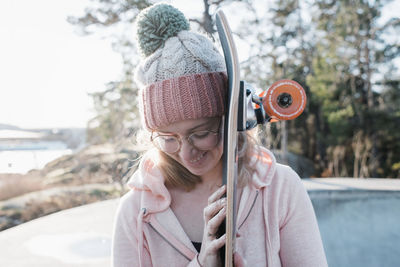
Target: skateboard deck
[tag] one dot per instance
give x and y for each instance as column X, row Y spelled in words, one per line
column 230, row 131
column 284, row 100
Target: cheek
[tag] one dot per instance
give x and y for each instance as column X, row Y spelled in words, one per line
column 219, row 150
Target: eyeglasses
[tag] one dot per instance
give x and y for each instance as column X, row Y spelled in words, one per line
column 201, row 140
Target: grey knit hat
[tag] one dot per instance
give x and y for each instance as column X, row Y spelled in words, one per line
column 182, row 75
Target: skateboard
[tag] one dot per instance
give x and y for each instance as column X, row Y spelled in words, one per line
column 284, row 100
column 230, row 153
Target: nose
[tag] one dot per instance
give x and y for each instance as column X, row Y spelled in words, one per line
column 187, row 149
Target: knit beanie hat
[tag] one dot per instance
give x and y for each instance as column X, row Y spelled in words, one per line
column 182, row 75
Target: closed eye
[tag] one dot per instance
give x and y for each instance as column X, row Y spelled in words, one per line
column 166, row 138
column 200, row 135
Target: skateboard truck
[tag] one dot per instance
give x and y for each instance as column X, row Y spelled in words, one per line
column 284, row 100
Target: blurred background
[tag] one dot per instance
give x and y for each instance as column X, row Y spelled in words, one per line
column 68, row 106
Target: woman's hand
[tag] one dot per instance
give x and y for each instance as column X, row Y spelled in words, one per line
column 214, row 214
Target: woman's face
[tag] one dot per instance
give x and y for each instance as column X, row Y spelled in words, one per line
column 199, row 162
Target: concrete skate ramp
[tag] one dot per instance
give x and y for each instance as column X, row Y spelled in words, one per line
column 359, row 220
column 76, row 237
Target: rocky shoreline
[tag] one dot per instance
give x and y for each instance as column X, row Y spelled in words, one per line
column 95, row 173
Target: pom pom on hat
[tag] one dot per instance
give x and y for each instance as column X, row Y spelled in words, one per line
column 156, row 24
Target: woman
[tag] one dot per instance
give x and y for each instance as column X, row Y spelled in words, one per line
column 171, row 215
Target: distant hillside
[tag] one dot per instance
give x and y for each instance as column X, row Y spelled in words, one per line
column 74, row 138
column 8, row 127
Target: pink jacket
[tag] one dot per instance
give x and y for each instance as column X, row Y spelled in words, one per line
column 276, row 224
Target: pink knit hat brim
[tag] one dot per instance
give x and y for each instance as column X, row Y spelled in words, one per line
column 194, row 96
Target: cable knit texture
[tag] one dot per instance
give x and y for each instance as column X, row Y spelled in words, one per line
column 183, row 79
column 184, row 54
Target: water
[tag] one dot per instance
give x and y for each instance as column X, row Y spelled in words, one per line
column 21, row 161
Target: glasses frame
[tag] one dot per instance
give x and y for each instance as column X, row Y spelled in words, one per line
column 187, row 137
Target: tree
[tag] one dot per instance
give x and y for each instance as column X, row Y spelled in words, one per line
column 350, row 50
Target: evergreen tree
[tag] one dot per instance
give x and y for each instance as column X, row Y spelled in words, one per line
column 349, row 53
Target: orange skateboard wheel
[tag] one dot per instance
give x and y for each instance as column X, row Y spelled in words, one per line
column 284, row 100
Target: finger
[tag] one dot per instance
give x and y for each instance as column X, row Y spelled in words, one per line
column 215, row 222
column 213, row 209
column 216, row 244
column 217, row 194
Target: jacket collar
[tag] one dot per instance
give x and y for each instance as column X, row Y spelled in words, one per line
column 148, row 179
column 156, row 197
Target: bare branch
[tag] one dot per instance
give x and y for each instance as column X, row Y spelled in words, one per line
column 197, row 21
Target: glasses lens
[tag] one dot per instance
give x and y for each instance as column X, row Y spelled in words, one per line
column 204, row 140
column 169, row 144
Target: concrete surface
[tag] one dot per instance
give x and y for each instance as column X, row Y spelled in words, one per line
column 359, row 220
column 76, row 237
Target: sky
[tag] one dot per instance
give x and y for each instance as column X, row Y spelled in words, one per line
column 47, row 69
